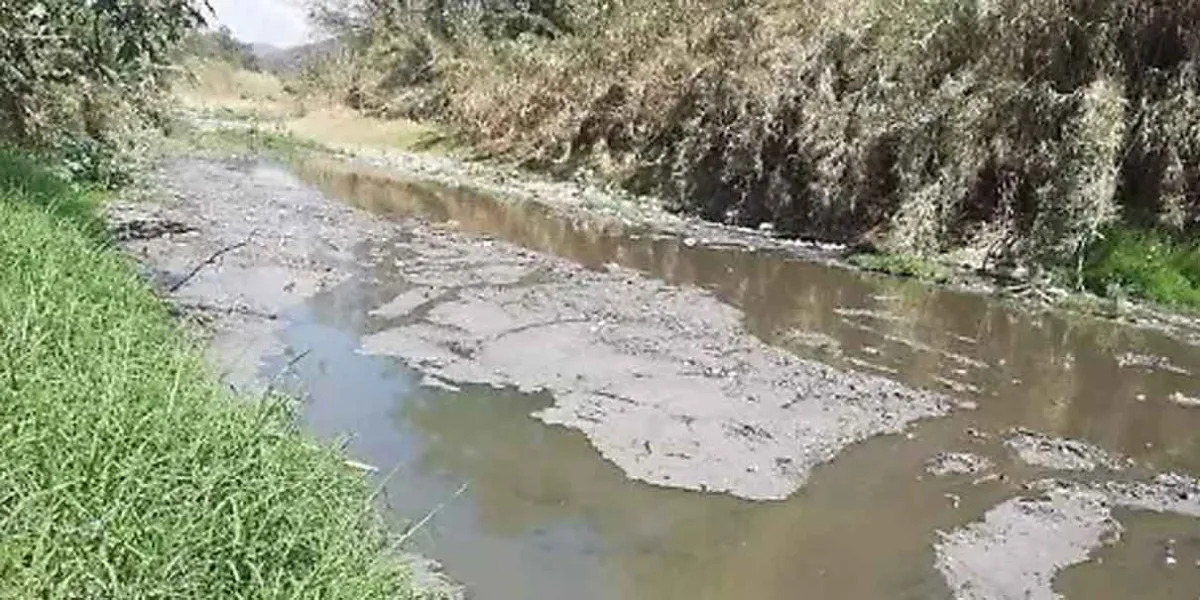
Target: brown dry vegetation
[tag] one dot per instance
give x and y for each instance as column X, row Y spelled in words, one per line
column 1016, row 128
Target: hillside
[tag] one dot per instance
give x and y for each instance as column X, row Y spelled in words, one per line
column 289, row 61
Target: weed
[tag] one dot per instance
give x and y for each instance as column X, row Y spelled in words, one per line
column 126, row 470
column 1145, row 263
column 1021, row 127
column 248, row 138
column 903, row 265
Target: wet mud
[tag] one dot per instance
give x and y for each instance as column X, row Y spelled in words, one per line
column 618, row 401
column 1021, row 545
column 664, row 381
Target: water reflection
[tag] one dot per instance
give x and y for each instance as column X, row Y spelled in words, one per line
column 1042, row 371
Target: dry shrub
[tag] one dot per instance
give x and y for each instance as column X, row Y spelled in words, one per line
column 1022, row 127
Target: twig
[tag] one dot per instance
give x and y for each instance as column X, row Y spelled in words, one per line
column 429, row 516
column 180, row 307
column 288, row 367
column 215, row 255
column 379, row 489
column 361, row 466
column 266, row 403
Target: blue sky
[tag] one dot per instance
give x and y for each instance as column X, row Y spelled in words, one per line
column 275, row 22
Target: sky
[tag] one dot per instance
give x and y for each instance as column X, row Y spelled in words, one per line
column 276, row 22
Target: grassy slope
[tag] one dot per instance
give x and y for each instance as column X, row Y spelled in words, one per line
column 125, row 470
column 1146, row 264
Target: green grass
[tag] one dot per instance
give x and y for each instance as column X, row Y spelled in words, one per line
column 901, row 265
column 257, row 139
column 126, row 470
column 1144, row 264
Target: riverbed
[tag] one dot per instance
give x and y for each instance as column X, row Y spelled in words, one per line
column 593, row 408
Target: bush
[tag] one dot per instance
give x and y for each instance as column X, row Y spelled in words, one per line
column 86, row 78
column 1020, row 127
column 126, row 469
column 1145, row 263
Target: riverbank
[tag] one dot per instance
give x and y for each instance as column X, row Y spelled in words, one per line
column 128, row 468
column 927, row 131
column 213, row 124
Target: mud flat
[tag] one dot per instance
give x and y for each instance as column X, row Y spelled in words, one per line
column 235, row 245
column 1019, row 546
column 663, row 380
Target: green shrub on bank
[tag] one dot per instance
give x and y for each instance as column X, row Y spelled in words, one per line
column 126, row 470
column 1020, row 127
column 1146, row 264
column 902, row 265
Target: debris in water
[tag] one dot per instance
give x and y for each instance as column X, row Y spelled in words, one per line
column 862, row 364
column 429, row 381
column 1151, row 362
column 361, row 466
column 975, row 434
column 990, row 477
column 957, row 386
column 810, row 339
column 867, row 313
column 1040, row 450
column 957, row 463
column 1185, row 401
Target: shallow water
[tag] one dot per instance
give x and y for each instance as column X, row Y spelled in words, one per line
column 544, row 516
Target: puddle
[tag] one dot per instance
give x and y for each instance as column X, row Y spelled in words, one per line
column 544, row 516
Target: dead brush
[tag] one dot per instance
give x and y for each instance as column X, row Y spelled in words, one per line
column 1020, row 127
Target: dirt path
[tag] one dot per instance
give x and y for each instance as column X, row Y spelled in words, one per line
column 664, row 381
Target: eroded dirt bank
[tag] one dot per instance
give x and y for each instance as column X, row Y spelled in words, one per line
column 665, row 381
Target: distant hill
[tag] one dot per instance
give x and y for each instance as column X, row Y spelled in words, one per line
column 262, row 51
column 287, row 61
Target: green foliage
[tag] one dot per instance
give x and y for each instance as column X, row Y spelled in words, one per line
column 85, row 78
column 220, row 45
column 250, row 139
column 1144, row 263
column 1023, row 127
column 126, row 470
column 902, row 265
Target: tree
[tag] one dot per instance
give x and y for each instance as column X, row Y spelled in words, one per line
column 65, row 64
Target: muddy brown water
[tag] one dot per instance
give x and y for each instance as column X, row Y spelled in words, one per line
column 544, row 516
